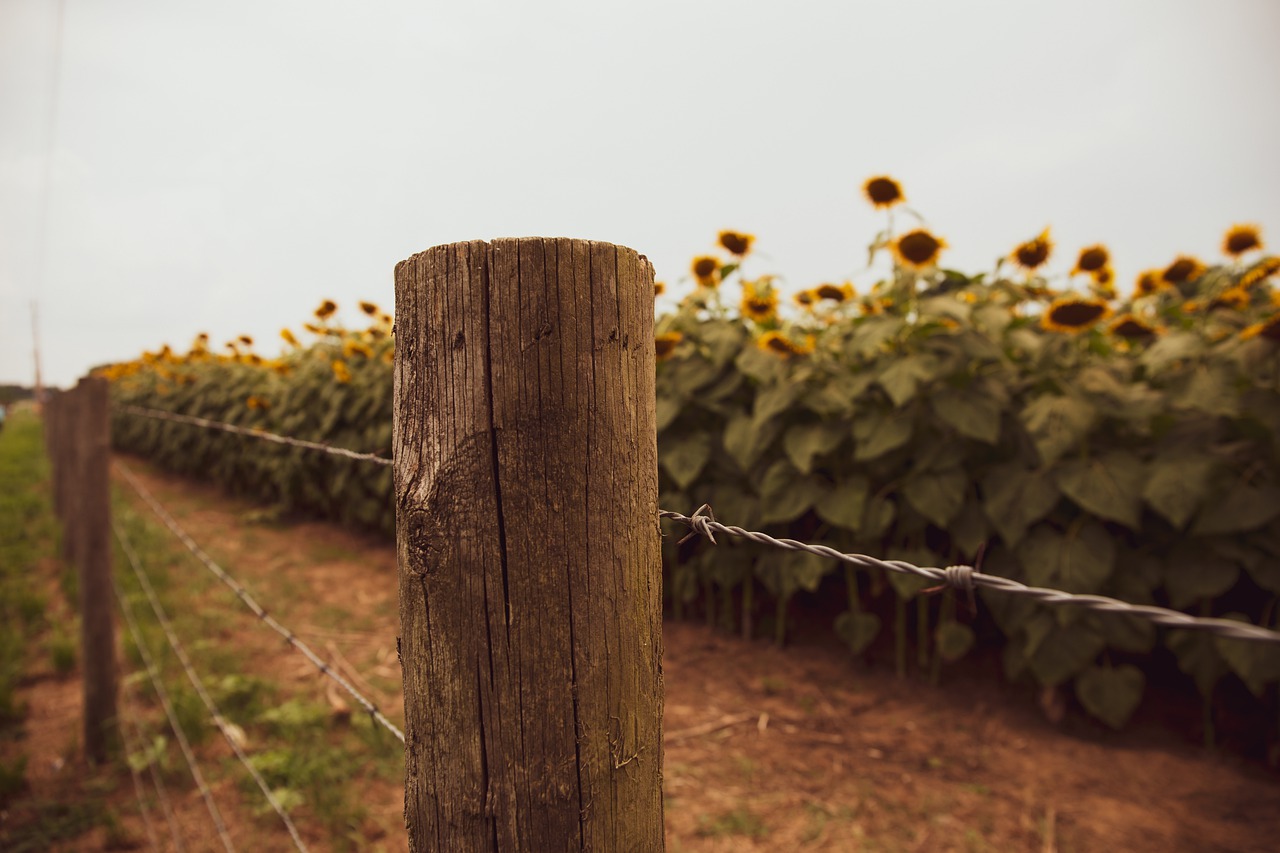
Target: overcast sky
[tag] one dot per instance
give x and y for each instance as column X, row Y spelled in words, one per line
column 223, row 167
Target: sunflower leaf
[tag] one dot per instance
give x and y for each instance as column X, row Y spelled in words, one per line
column 1111, row 694
column 1058, row 424
column 937, row 495
column 1242, row 508
column 683, row 456
column 972, row 415
column 804, row 442
column 1014, row 498
column 1077, row 561
column 1177, row 487
column 1108, row 485
column 876, row 432
column 844, row 505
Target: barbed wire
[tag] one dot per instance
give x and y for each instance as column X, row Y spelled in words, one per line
column 253, row 433
column 154, row 674
column 257, row 609
column 218, row 720
column 965, row 578
column 133, row 772
column 161, row 793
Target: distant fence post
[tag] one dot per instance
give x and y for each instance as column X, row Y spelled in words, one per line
column 528, row 547
column 90, row 509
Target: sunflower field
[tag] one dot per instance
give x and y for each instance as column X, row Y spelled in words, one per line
column 1038, row 424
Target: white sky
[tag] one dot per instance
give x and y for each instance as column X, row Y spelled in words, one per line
column 224, row 166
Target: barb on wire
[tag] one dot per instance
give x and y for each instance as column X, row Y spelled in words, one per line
column 257, row 609
column 254, row 433
column 154, row 674
column 966, row 577
column 218, row 720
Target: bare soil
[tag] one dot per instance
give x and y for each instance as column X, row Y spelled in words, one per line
column 766, row 749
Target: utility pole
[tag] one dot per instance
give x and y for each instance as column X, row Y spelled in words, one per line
column 35, row 346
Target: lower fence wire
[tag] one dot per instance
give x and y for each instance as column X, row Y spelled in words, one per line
column 258, row 610
column 231, row 736
column 161, row 792
column 154, row 675
column 137, row 778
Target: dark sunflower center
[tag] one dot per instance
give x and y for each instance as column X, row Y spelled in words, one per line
column 735, row 243
column 918, row 247
column 883, row 191
column 830, row 291
column 1033, row 254
column 1092, row 259
column 1076, row 314
column 704, row 267
column 1239, row 242
column 1178, row 271
column 1132, row 329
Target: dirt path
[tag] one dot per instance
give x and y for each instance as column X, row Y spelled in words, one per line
column 767, row 749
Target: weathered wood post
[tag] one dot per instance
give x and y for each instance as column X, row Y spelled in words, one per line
column 90, row 506
column 528, row 547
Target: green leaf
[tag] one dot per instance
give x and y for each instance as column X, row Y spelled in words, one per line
column 1193, row 574
column 1198, row 657
column 953, row 640
column 785, row 572
column 991, row 318
column 902, row 378
column 843, row 506
column 907, row 585
column 937, row 495
column 804, row 442
column 683, row 456
column 786, row 494
column 857, row 629
column 1257, row 664
column 688, row 375
column 1078, row 561
column 761, row 366
column 1170, row 348
column 1058, row 424
column 1242, row 508
column 668, row 410
column 877, row 432
column 723, row 339
column 775, row 400
column 872, row 332
column 1111, row 695
column 1015, row 498
column 838, row 394
column 973, row 415
column 1108, row 485
column 877, row 518
column 1177, row 486
column 969, row 529
column 1061, row 652
column 1211, row 388
column 745, row 439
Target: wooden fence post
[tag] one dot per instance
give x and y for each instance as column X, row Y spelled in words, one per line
column 90, row 503
column 528, row 547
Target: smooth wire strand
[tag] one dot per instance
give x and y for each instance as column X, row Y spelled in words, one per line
column 218, row 719
column 257, row 609
column 154, row 674
column 254, row 433
column 161, row 792
column 966, row 577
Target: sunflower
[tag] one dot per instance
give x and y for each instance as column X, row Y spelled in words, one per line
column 1149, row 283
column 326, row 309
column 918, row 249
column 1092, row 259
column 1033, row 253
column 1268, row 328
column 1074, row 313
column 665, row 344
column 246, row 340
column 340, row 371
column 368, row 308
column 659, row 288
column 313, row 328
column 352, row 348
column 288, row 337
column 255, row 402
column 805, row 298
column 835, row 293
column 706, row 270
column 1183, row 268
column 1240, row 239
column 735, row 242
column 1236, row 298
column 1103, row 285
column 883, row 191
column 1192, row 306
column 779, row 344
column 1131, row 326
column 759, row 300
column 1264, row 269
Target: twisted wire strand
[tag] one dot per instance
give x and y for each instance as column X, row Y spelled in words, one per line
column 257, row 609
column 966, row 577
column 218, row 720
column 254, row 433
column 161, row 792
column 154, row 675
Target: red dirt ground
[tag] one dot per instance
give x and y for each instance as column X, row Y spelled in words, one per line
column 766, row 749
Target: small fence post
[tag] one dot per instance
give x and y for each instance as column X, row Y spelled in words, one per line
column 90, row 509
column 528, row 547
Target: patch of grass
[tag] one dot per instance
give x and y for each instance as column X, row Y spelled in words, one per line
column 49, row 823
column 62, row 651
column 13, row 778
column 740, row 821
